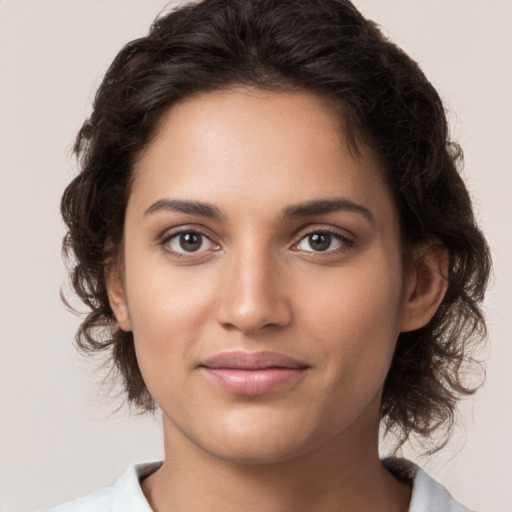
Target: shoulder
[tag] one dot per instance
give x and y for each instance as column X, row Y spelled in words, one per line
column 427, row 494
column 124, row 496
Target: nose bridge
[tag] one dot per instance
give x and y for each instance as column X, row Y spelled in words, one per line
column 253, row 296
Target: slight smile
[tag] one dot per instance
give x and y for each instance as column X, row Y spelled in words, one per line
column 253, row 373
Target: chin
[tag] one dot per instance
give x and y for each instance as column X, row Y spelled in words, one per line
column 257, row 451
column 257, row 439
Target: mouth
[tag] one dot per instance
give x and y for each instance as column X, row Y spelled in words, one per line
column 250, row 374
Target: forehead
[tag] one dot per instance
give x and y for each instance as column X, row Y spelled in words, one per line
column 258, row 146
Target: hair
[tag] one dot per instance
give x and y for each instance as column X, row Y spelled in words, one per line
column 321, row 46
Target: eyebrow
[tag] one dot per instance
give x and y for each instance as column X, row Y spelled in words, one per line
column 187, row 207
column 294, row 211
column 324, row 206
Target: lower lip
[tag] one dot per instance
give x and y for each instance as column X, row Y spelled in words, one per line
column 253, row 382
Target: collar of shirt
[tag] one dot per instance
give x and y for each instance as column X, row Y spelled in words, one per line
column 126, row 494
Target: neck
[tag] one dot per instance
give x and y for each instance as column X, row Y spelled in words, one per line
column 344, row 474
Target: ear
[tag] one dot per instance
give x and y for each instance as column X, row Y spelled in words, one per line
column 425, row 287
column 117, row 295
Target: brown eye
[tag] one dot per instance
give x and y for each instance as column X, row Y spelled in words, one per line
column 189, row 241
column 322, row 241
column 319, row 241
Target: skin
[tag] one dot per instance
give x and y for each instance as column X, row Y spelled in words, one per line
column 256, row 282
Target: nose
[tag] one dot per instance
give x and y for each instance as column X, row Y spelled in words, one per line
column 252, row 296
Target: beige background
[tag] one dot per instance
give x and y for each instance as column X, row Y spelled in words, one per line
column 56, row 440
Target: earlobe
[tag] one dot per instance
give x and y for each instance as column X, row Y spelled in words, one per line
column 117, row 296
column 426, row 286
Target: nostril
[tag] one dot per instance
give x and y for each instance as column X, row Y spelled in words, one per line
column 252, row 319
column 250, row 298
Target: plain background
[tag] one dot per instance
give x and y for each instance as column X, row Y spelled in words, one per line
column 58, row 437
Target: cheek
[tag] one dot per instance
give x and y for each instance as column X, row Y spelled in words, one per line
column 355, row 323
column 168, row 310
column 162, row 295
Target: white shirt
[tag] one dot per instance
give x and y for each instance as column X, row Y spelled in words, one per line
column 126, row 494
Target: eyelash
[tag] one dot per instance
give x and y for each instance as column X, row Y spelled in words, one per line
column 169, row 236
column 346, row 243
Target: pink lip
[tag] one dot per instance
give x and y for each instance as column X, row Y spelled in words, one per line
column 246, row 373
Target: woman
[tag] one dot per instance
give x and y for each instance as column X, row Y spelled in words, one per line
column 275, row 244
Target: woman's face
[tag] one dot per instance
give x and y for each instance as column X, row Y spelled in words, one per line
column 262, row 276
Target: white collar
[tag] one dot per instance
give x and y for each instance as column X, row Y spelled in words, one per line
column 126, row 494
column 427, row 494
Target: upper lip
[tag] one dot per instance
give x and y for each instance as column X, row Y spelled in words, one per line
column 242, row 360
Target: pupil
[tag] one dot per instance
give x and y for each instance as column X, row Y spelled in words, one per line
column 190, row 241
column 320, row 242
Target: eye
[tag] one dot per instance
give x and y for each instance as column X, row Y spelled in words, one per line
column 323, row 241
column 189, row 241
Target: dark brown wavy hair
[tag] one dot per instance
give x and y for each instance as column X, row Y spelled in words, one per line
column 328, row 48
